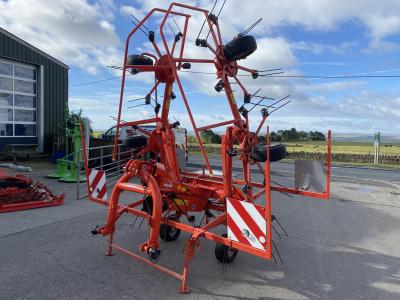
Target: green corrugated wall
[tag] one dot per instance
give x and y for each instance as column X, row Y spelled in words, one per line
column 55, row 88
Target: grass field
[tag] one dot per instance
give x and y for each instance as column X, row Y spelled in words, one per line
column 342, row 147
column 337, row 147
column 97, row 133
column 320, row 146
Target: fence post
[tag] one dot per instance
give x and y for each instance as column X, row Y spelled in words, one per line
column 119, row 159
column 78, row 181
column 101, row 158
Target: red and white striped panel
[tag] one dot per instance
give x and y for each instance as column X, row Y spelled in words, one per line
column 97, row 184
column 246, row 223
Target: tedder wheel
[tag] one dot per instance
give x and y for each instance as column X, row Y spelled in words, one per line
column 276, row 153
column 169, row 233
column 148, row 205
column 240, row 47
column 225, row 254
column 139, row 60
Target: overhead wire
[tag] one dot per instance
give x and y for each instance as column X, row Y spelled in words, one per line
column 97, row 81
column 305, row 76
column 271, row 76
column 333, row 76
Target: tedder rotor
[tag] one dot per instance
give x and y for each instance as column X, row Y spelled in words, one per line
column 171, row 197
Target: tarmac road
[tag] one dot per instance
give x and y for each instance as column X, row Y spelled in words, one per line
column 344, row 248
column 367, row 173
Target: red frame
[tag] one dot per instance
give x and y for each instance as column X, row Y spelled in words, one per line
column 163, row 179
column 29, row 205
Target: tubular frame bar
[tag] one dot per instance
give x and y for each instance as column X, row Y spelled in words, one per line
column 268, row 198
column 216, row 125
column 148, row 262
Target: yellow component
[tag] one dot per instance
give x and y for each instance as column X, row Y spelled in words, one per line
column 181, row 202
column 181, row 188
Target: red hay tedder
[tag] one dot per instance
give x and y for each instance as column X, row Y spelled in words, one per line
column 171, row 195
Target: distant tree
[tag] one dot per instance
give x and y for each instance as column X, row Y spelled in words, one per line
column 316, row 136
column 303, row 135
column 261, row 139
column 294, row 135
column 275, row 137
column 210, row 137
column 192, row 139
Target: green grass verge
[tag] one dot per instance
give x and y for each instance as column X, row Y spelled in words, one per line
column 342, row 147
column 337, row 147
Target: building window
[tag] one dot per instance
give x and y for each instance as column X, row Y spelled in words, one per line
column 18, row 99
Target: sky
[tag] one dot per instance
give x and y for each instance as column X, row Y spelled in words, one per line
column 303, row 37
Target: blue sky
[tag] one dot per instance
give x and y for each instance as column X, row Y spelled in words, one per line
column 303, row 37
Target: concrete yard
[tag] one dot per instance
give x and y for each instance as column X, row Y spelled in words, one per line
column 344, row 248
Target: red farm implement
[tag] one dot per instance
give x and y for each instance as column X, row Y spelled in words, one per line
column 19, row 193
column 169, row 195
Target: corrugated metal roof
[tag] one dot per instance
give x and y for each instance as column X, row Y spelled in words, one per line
column 21, row 41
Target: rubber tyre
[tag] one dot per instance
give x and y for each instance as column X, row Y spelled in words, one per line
column 277, row 152
column 225, row 254
column 169, row 233
column 240, row 47
column 139, row 60
column 148, row 205
column 137, row 141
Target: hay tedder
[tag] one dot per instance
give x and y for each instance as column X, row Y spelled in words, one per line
column 172, row 198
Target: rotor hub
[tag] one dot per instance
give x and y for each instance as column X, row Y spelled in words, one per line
column 164, row 73
column 223, row 64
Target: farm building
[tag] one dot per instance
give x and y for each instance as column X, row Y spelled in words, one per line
column 33, row 95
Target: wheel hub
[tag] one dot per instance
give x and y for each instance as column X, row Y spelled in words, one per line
column 223, row 64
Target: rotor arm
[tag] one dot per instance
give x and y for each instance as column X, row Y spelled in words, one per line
column 247, row 95
column 253, row 72
column 153, row 88
column 193, row 60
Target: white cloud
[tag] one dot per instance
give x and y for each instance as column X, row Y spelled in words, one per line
column 317, row 48
column 330, row 86
column 76, row 32
column 126, row 10
column 380, row 18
